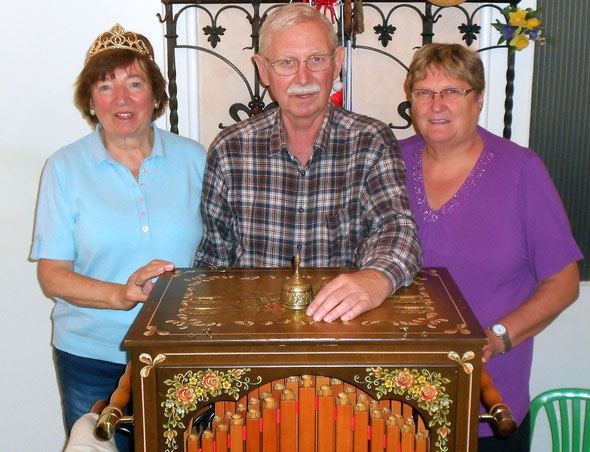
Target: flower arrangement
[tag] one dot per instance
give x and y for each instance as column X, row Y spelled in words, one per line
column 185, row 390
column 522, row 27
column 425, row 388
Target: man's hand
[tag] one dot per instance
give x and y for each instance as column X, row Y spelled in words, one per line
column 349, row 295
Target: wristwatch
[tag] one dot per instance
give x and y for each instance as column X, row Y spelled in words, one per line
column 500, row 330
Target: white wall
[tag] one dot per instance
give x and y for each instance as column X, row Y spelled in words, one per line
column 42, row 45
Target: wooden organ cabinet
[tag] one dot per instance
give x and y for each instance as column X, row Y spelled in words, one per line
column 222, row 337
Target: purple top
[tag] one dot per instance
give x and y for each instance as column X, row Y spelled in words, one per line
column 501, row 233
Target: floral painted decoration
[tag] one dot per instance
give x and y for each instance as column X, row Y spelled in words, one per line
column 185, row 390
column 426, row 388
column 521, row 27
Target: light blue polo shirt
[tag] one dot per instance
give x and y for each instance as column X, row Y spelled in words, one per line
column 92, row 211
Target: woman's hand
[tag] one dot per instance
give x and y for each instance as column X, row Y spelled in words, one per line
column 58, row 279
column 139, row 285
column 494, row 346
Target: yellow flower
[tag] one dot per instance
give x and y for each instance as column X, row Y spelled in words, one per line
column 532, row 23
column 520, row 41
column 518, row 18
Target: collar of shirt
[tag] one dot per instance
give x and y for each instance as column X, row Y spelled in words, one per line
column 278, row 140
column 100, row 153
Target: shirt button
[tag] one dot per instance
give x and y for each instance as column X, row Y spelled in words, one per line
column 303, row 173
column 301, row 210
column 142, row 185
column 299, row 247
column 140, row 199
column 143, row 170
column 143, row 213
column 144, row 229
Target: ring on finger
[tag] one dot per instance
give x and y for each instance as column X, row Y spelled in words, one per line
column 137, row 284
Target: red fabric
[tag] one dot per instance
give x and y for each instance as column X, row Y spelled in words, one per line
column 338, row 98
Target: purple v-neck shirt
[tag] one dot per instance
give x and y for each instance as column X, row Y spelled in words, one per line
column 501, row 233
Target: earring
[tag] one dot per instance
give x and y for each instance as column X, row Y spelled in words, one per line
column 337, row 85
column 92, row 112
column 156, row 105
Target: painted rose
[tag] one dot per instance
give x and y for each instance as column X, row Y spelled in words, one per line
column 238, row 373
column 428, row 392
column 171, row 434
column 185, row 395
column 520, row 41
column 404, row 379
column 210, row 381
column 443, row 432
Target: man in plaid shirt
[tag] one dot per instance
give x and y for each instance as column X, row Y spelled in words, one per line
column 310, row 177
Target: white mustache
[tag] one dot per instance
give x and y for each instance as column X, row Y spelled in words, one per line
column 310, row 88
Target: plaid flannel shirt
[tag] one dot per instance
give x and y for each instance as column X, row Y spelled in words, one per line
column 347, row 207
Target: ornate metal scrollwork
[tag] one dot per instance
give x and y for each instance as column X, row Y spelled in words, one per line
column 385, row 32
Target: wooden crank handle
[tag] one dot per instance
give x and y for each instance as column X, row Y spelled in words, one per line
column 112, row 415
column 98, row 406
column 499, row 413
column 347, row 18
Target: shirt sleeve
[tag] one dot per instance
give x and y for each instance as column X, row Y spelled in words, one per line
column 547, row 231
column 217, row 247
column 392, row 245
column 55, row 220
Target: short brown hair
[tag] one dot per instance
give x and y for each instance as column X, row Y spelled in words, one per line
column 290, row 15
column 455, row 60
column 105, row 63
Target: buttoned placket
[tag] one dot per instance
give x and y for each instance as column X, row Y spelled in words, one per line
column 301, row 210
column 141, row 185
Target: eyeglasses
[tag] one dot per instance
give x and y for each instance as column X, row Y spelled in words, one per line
column 449, row 95
column 290, row 66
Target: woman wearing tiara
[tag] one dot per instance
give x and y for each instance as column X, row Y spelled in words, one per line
column 116, row 209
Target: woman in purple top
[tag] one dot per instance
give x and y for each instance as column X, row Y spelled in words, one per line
column 487, row 210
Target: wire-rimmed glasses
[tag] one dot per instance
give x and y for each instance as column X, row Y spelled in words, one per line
column 448, row 95
column 290, row 66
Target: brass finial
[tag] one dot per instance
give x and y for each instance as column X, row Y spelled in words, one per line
column 296, row 292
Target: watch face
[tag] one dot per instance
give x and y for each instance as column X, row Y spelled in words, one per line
column 499, row 330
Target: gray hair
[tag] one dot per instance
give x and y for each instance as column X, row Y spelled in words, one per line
column 290, row 15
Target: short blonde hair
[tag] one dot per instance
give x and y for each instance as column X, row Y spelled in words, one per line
column 290, row 15
column 455, row 60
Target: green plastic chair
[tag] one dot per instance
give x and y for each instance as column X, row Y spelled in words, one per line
column 561, row 405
